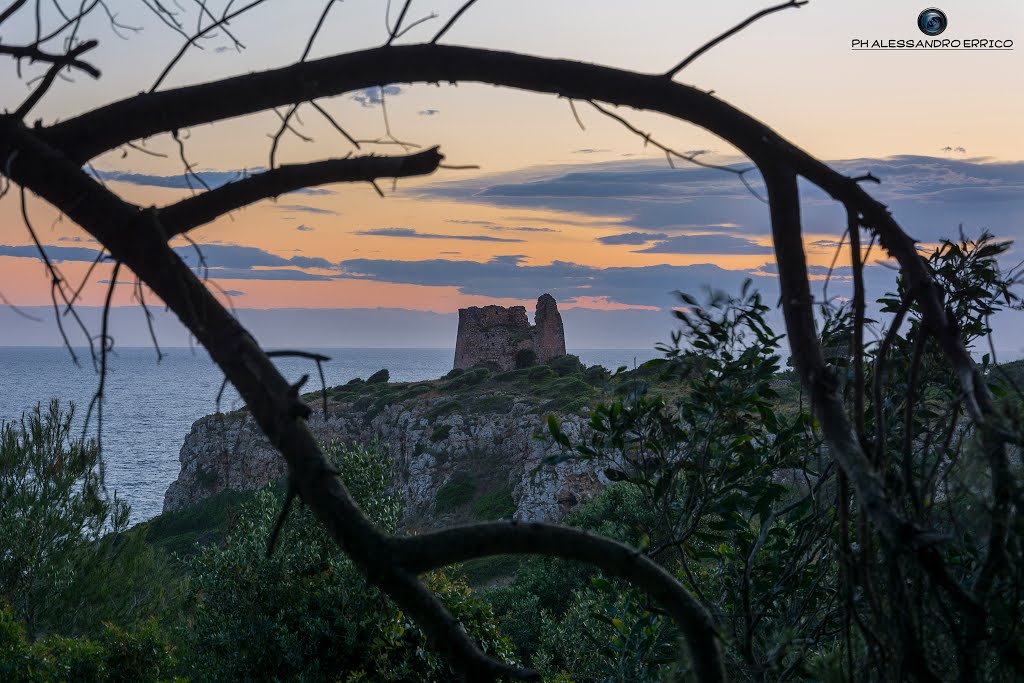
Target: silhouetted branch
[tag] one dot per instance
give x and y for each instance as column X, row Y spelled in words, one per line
column 398, row 22
column 141, row 297
column 335, row 124
column 203, row 208
column 451, row 22
column 671, row 73
column 68, row 60
column 35, row 54
column 431, row 550
column 9, row 12
column 192, row 39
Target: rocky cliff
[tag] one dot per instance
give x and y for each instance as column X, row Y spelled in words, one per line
column 497, row 335
column 464, row 447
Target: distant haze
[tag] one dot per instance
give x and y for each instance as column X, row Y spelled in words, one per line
column 334, row 328
column 384, row 328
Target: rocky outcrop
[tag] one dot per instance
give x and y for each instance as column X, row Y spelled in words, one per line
column 496, row 453
column 496, row 335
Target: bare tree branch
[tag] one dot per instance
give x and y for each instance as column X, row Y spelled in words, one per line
column 68, row 60
column 671, row 73
column 192, row 40
column 202, row 208
column 427, row 551
column 451, row 22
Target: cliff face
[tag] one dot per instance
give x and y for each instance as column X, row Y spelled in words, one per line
column 495, row 335
column 490, row 455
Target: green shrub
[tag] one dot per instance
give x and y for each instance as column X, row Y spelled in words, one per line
column 495, row 505
column 184, row 532
column 414, row 391
column 117, row 656
column 467, row 379
column 483, row 570
column 443, row 408
column 493, row 403
column 539, row 373
column 68, row 564
column 525, row 358
column 570, row 388
column 596, row 375
column 567, row 365
column 455, row 493
column 440, row 433
column 379, row 377
column 306, row 613
column 454, row 372
column 512, row 375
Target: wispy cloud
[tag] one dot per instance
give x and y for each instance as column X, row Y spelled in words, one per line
column 302, row 208
column 304, row 228
column 506, row 228
column 706, row 244
column 373, row 96
column 490, row 225
column 212, row 179
column 635, row 238
column 54, row 252
column 416, row 234
column 505, row 277
column 929, row 196
column 219, row 261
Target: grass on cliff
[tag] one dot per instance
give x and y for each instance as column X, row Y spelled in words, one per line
column 184, row 531
column 564, row 385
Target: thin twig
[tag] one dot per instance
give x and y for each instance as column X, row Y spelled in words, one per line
column 191, row 41
column 671, row 73
column 334, row 123
column 451, row 22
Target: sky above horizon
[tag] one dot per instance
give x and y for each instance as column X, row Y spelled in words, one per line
column 589, row 214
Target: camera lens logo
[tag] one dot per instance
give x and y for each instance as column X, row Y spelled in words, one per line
column 932, row 21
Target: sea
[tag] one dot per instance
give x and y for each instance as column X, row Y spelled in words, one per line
column 150, row 406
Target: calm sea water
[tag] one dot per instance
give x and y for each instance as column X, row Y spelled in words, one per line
column 151, row 406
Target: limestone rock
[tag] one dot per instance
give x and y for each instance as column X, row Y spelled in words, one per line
column 497, row 451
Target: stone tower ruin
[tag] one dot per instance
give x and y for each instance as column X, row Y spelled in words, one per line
column 496, row 334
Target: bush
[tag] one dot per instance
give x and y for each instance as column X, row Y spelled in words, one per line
column 379, row 377
column 596, row 375
column 495, row 505
column 525, row 358
column 306, row 613
column 116, row 656
column 540, row 373
column 467, row 379
column 440, row 433
column 567, row 365
column 67, row 563
column 458, row 491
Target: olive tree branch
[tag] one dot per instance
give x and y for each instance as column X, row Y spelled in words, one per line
column 202, row 208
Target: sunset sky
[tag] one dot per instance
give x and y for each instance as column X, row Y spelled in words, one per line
column 592, row 216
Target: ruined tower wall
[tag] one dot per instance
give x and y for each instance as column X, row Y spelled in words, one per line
column 493, row 334
column 496, row 334
column 548, row 333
